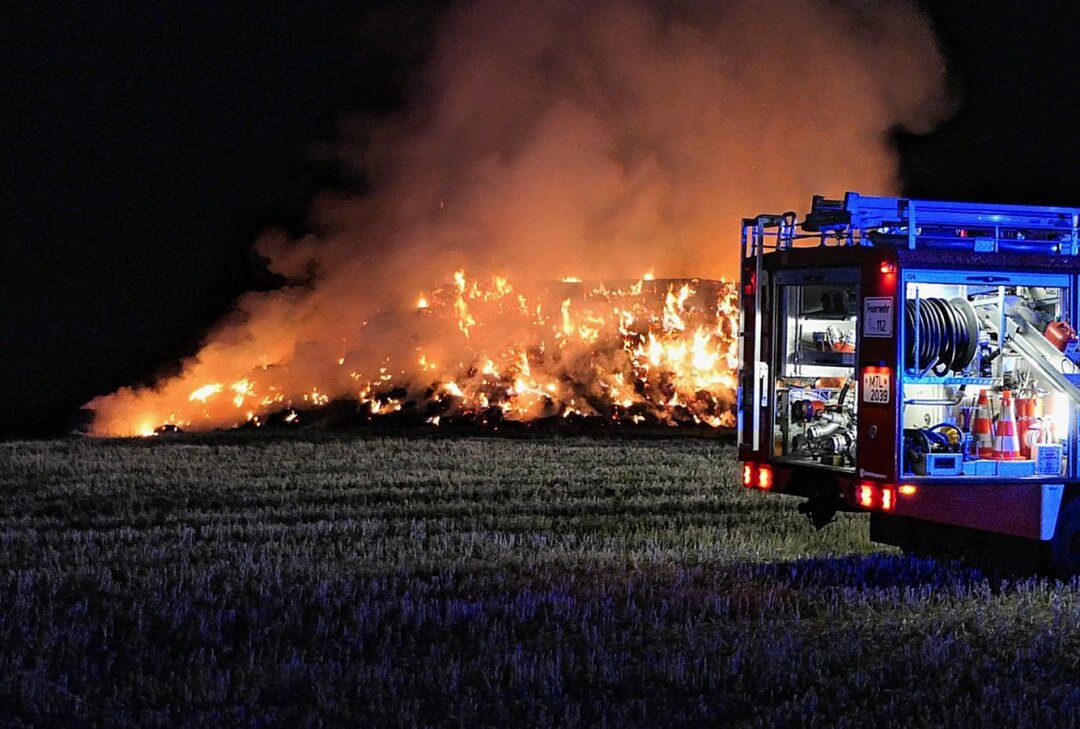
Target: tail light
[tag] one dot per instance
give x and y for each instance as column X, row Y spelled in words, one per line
column 757, row 477
column 880, row 496
column 866, row 495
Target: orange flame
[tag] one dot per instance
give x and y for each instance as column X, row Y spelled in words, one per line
column 650, row 349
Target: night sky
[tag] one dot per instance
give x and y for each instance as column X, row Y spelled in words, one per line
column 146, row 145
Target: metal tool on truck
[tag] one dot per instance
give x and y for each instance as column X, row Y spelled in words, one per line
column 916, row 359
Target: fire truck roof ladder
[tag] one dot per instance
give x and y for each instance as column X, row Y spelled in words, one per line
column 903, row 223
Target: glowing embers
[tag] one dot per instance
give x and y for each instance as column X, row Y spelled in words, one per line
column 646, row 350
column 484, row 351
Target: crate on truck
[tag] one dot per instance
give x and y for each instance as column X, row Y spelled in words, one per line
column 916, row 359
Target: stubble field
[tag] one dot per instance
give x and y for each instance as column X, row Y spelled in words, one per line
column 338, row 581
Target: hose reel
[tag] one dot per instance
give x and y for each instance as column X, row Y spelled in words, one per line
column 948, row 335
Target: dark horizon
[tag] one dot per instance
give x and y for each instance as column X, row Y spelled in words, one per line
column 148, row 146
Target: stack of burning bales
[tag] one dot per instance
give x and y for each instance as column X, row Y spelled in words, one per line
column 569, row 355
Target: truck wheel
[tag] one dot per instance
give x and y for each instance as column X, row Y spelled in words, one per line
column 1064, row 549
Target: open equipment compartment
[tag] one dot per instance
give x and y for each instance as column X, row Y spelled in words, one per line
column 989, row 375
column 816, row 401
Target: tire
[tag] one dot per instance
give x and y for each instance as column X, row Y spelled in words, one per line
column 1064, row 548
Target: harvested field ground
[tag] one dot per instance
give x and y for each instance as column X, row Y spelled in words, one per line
column 335, row 581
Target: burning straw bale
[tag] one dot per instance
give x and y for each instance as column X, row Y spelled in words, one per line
column 655, row 352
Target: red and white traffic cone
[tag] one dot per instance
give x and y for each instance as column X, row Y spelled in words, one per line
column 982, row 431
column 1006, row 442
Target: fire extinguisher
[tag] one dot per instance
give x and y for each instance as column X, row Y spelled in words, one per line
column 1027, row 429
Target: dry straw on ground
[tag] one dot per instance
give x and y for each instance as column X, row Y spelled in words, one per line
column 325, row 581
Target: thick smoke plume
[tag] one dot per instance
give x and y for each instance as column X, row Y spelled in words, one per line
column 557, row 137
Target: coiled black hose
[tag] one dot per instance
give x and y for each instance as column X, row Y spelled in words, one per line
column 948, row 333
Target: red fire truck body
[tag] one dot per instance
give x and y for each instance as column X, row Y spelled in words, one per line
column 914, row 359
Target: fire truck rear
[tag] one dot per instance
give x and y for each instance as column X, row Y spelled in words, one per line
column 915, row 359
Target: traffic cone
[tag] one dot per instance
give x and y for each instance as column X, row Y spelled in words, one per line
column 982, row 431
column 1006, row 443
column 1025, row 424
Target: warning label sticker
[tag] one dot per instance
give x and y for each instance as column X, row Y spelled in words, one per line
column 877, row 316
column 875, row 387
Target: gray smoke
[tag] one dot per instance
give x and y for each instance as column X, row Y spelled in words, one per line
column 598, row 139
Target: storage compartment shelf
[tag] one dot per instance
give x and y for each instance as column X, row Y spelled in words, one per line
column 822, row 316
column 828, row 359
column 949, row 380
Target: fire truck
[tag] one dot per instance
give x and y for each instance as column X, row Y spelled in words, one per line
column 916, row 360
